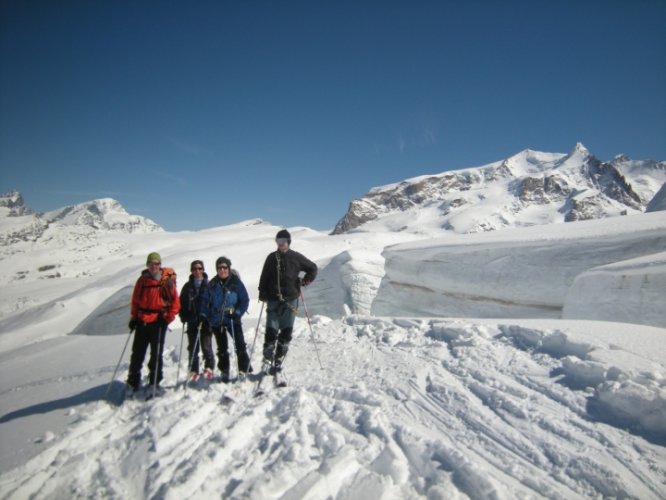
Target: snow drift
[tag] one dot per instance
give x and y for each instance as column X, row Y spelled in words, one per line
column 528, row 272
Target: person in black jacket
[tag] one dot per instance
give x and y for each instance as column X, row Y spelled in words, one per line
column 198, row 338
column 280, row 287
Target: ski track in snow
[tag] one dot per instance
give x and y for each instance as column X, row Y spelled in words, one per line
column 402, row 409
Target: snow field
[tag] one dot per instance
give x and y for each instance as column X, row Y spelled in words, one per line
column 404, row 408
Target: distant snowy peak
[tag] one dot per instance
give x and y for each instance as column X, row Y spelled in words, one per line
column 105, row 214
column 528, row 188
column 18, row 223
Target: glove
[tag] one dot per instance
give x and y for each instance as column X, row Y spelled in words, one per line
column 168, row 318
column 133, row 323
column 306, row 281
column 203, row 324
column 229, row 311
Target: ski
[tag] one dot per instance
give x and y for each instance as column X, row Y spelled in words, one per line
column 278, row 380
column 227, row 400
column 258, row 391
column 144, row 393
column 132, row 394
column 154, row 394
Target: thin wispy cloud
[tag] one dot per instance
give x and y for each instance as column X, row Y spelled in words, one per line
column 189, row 148
column 420, row 134
column 182, row 182
column 90, row 194
column 278, row 210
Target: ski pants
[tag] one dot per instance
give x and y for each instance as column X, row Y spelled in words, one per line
column 234, row 329
column 204, row 343
column 147, row 334
column 280, row 317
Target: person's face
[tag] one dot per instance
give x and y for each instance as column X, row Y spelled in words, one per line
column 223, row 271
column 282, row 243
column 197, row 270
column 154, row 266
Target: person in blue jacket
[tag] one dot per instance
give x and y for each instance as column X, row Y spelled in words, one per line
column 223, row 303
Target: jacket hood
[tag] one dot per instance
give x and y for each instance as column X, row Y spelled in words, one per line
column 233, row 278
column 205, row 278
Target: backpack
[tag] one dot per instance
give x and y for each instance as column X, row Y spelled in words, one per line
column 167, row 283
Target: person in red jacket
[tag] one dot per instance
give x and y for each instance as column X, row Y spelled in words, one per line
column 155, row 304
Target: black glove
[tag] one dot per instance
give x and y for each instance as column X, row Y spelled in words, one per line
column 203, row 324
column 133, row 323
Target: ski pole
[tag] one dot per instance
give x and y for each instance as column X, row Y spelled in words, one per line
column 195, row 352
column 256, row 332
column 122, row 354
column 233, row 338
column 158, row 357
column 311, row 330
column 180, row 355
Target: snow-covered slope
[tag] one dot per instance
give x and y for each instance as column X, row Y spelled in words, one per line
column 529, row 188
column 659, row 201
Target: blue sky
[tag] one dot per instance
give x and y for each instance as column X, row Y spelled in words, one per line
column 205, row 113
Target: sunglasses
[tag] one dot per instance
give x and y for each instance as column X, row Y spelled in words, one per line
column 282, row 241
column 154, row 263
column 223, row 267
column 197, row 269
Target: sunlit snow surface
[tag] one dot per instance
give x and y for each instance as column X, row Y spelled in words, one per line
column 405, row 405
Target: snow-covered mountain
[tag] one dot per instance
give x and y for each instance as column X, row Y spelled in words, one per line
column 75, row 232
column 526, row 189
column 19, row 223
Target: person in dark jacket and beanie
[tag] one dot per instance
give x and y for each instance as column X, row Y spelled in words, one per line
column 197, row 338
column 223, row 303
column 280, row 287
column 155, row 303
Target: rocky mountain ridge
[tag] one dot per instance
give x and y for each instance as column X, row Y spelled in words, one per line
column 525, row 189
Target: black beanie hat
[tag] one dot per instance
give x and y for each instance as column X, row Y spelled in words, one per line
column 222, row 260
column 283, row 233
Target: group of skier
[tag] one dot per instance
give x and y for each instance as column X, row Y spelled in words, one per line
column 214, row 308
